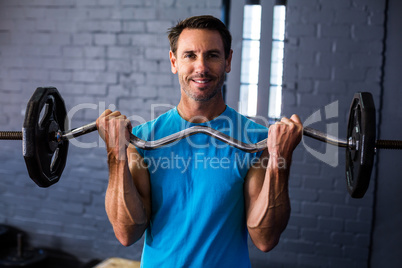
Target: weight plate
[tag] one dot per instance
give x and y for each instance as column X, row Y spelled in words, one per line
column 45, row 158
column 361, row 132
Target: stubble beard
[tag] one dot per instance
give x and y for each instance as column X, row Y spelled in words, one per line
column 186, row 88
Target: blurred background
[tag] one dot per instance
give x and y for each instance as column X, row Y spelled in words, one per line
column 295, row 56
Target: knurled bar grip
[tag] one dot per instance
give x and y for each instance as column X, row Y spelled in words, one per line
column 388, row 144
column 259, row 146
column 10, row 135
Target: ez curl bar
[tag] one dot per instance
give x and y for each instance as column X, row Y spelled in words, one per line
column 45, row 139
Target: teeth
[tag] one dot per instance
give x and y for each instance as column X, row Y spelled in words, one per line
column 200, row 81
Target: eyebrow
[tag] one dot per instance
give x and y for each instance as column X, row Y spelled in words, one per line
column 209, row 51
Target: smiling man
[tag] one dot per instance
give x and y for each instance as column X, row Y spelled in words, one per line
column 198, row 199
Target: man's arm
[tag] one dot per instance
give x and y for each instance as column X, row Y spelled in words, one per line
column 127, row 201
column 266, row 186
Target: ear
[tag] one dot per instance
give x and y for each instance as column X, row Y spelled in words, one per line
column 228, row 62
column 173, row 62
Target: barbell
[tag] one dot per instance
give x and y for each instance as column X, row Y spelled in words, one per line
column 45, row 139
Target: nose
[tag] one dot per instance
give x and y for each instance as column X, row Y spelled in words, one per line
column 201, row 65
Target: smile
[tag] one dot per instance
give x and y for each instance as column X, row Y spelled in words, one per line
column 201, row 81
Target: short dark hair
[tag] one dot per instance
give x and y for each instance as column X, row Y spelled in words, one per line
column 206, row 22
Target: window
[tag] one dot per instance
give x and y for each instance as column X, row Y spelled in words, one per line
column 250, row 58
column 278, row 40
column 255, row 88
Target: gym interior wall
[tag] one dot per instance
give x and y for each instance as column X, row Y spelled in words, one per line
column 102, row 54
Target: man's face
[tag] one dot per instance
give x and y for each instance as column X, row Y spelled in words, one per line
column 200, row 63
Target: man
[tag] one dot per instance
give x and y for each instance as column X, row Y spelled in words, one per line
column 197, row 199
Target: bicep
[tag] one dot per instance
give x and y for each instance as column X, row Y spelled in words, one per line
column 254, row 180
column 139, row 173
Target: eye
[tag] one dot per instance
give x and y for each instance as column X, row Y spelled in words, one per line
column 189, row 56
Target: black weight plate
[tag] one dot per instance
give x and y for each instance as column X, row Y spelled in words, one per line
column 362, row 131
column 44, row 157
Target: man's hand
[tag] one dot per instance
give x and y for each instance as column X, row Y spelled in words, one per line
column 284, row 136
column 114, row 128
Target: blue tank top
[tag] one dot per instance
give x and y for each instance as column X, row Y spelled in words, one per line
column 198, row 215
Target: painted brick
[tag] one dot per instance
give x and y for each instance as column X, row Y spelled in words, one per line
column 41, row 39
column 303, row 221
column 158, row 80
column 300, row 30
column 95, row 64
column 60, row 76
column 357, row 226
column 98, row 13
column 300, row 247
column 319, row 16
column 119, row 65
column 144, row 13
column 317, row 209
column 334, row 59
column 132, row 2
column 351, row 16
column 340, row 4
column 340, row 31
column 316, row 44
column 332, row 197
column 303, row 195
column 349, row 74
column 364, row 60
column 318, row 183
column 316, row 235
column 111, row 26
column 108, row 2
column 157, row 26
column 94, row 52
column 353, row 46
column 328, row 250
column 330, row 224
column 175, row 13
column 105, row 39
column 73, row 52
column 345, row 212
column 82, row 39
column 356, row 253
column 367, row 33
column 50, row 3
column 116, row 53
column 143, row 39
column 73, row 64
column 94, row 77
column 66, row 26
column 133, row 26
column 311, row 4
column 376, row 18
column 123, row 52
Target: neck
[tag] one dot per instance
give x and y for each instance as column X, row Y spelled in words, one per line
column 200, row 112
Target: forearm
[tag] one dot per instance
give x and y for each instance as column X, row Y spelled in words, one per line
column 270, row 211
column 124, row 207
